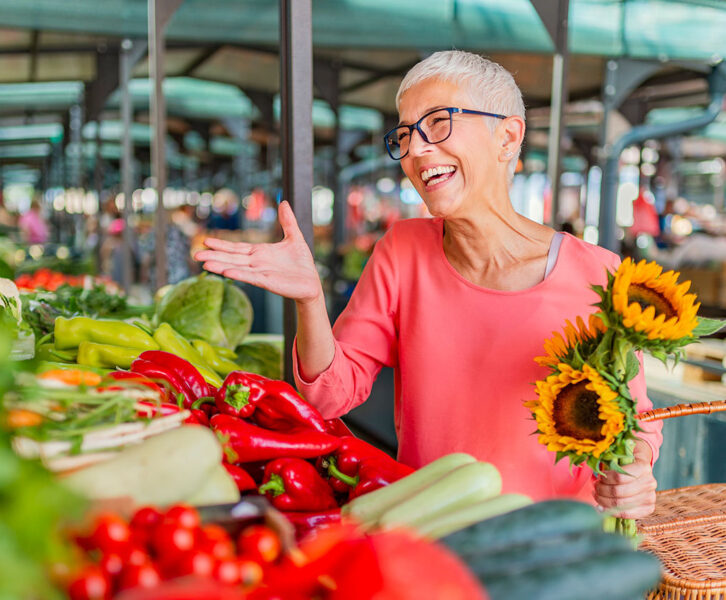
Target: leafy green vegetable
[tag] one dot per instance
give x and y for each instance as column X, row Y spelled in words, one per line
column 263, row 358
column 32, row 505
column 209, row 308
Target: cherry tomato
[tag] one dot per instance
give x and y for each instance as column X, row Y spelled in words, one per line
column 111, row 564
column 259, row 542
column 227, row 571
column 170, row 540
column 136, row 555
column 110, row 533
column 139, row 576
column 250, row 572
column 89, row 584
column 183, row 515
column 216, row 541
column 145, row 518
column 195, row 562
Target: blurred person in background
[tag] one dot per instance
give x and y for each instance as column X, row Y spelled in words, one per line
column 178, row 256
column 33, row 226
column 225, row 211
column 6, row 219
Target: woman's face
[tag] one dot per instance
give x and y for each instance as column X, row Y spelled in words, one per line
column 471, row 150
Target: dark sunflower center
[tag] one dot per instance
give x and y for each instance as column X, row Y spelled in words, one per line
column 645, row 296
column 575, row 412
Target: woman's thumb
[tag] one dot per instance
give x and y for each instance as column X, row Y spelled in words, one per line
column 287, row 219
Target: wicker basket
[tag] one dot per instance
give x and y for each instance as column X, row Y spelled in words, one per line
column 687, row 532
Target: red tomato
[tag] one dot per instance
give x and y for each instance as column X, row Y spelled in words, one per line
column 139, row 576
column 215, row 540
column 145, row 518
column 195, row 562
column 183, row 515
column 136, row 555
column 111, row 564
column 259, row 542
column 250, row 572
column 110, row 533
column 89, row 584
column 227, row 571
column 170, row 540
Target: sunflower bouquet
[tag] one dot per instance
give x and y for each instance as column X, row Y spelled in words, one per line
column 584, row 409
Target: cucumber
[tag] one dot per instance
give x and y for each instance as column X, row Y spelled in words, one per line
column 550, row 551
column 464, row 486
column 616, row 576
column 529, row 524
column 368, row 508
column 458, row 519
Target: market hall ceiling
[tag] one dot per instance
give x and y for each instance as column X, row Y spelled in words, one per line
column 371, row 42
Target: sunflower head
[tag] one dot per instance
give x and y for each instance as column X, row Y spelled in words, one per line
column 654, row 309
column 579, row 415
column 573, row 343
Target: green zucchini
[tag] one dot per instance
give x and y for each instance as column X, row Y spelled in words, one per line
column 464, row 486
column 528, row 524
column 458, row 519
column 617, row 576
column 549, row 551
column 368, row 508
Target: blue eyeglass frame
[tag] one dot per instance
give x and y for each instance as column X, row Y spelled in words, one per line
column 417, row 126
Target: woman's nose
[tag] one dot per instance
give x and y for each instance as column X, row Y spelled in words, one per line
column 417, row 143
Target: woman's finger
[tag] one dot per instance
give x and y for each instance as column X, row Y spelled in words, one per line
column 633, row 508
column 217, row 256
column 225, row 246
column 626, row 490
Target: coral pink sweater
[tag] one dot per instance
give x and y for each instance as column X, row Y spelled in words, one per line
column 463, row 355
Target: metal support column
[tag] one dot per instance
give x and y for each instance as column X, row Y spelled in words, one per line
column 296, row 93
column 556, row 23
column 160, row 11
column 127, row 157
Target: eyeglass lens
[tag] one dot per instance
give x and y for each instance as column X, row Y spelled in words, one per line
column 436, row 127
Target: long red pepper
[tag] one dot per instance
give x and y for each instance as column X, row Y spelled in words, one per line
column 361, row 468
column 241, row 477
column 244, row 442
column 185, row 370
column 295, row 484
column 166, row 376
column 305, row 522
column 270, row 403
column 132, row 379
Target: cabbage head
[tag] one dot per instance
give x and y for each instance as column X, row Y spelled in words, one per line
column 209, row 308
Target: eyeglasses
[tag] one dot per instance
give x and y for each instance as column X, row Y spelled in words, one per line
column 434, row 127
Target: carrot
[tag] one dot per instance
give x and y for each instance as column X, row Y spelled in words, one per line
column 19, row 417
column 72, row 376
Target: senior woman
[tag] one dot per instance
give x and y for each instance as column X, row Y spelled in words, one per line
column 459, row 304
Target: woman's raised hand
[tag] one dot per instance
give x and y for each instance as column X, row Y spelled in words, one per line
column 286, row 268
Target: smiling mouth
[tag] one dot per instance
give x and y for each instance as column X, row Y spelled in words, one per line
column 436, row 175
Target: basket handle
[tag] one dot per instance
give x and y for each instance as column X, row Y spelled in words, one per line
column 680, row 410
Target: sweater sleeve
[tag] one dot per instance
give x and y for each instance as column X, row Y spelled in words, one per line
column 365, row 338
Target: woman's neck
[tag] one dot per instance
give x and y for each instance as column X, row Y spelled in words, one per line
column 497, row 247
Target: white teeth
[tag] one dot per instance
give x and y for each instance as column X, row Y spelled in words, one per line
column 433, row 171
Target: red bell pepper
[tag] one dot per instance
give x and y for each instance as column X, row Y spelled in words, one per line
column 337, row 428
column 244, row 442
column 305, row 522
column 133, row 379
column 188, row 374
column 270, row 403
column 164, row 375
column 241, row 477
column 361, row 468
column 294, row 484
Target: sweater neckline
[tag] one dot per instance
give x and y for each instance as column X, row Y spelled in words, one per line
column 545, row 281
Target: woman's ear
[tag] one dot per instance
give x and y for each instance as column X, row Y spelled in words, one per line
column 510, row 136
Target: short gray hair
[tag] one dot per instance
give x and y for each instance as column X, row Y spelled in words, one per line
column 487, row 81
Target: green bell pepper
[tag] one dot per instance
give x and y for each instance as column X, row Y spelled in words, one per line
column 175, row 343
column 69, row 333
column 106, row 355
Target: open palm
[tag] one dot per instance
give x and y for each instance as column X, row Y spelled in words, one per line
column 286, row 268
